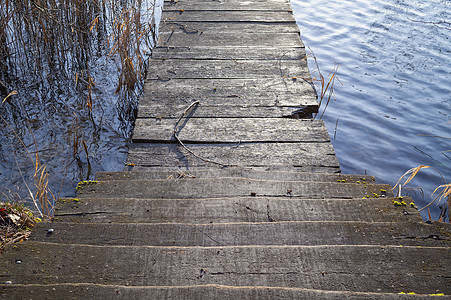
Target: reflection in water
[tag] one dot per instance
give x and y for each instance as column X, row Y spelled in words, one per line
column 77, row 66
column 394, row 105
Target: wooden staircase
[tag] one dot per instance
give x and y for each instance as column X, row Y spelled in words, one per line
column 237, row 196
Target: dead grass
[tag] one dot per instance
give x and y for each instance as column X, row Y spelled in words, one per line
column 55, row 41
column 16, row 221
column 325, row 85
column 41, row 195
column 441, row 193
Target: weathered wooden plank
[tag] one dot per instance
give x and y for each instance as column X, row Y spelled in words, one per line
column 230, row 92
column 251, row 173
column 259, row 154
column 226, row 39
column 231, row 209
column 166, row 69
column 225, row 111
column 226, row 53
column 94, row 291
column 240, row 234
column 273, row 6
column 169, row 26
column 229, row 16
column 231, row 130
column 228, row 187
column 346, row 268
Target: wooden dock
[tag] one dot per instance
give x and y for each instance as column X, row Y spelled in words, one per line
column 231, row 190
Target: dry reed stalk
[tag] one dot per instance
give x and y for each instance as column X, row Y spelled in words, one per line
column 444, row 193
column 325, row 85
column 40, row 199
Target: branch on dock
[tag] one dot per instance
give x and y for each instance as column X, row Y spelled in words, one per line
column 185, row 147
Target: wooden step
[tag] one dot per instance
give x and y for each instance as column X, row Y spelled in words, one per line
column 169, row 26
column 308, row 157
column 231, row 130
column 228, row 187
column 250, row 173
column 391, row 269
column 190, row 37
column 208, row 291
column 228, row 69
column 233, row 92
column 252, row 5
column 232, row 209
column 240, row 234
column 296, row 53
column 229, row 16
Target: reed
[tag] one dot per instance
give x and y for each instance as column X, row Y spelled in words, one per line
column 40, row 196
column 50, row 52
column 443, row 191
column 324, row 84
column 54, row 41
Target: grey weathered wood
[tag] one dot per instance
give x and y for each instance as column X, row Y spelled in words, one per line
column 225, row 53
column 230, row 16
column 236, row 234
column 227, row 69
column 226, row 39
column 256, row 154
column 381, row 269
column 227, row 210
column 225, row 111
column 231, row 130
column 237, row 27
column 228, row 92
column 93, row 291
column 234, row 172
column 226, row 187
column 273, row 6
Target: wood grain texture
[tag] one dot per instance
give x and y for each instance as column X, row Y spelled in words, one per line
column 231, row 130
column 231, row 209
column 168, row 26
column 240, row 234
column 250, row 173
column 233, row 53
column 228, row 5
column 230, row 16
column 226, row 69
column 227, row 187
column 226, row 39
column 213, row 291
column 381, row 269
column 254, row 155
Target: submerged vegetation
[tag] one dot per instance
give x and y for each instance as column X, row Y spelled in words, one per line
column 324, row 85
column 441, row 195
column 70, row 75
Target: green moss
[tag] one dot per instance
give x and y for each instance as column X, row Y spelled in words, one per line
column 86, row 182
column 397, row 203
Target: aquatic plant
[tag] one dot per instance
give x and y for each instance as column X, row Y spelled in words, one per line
column 444, row 191
column 62, row 56
column 325, row 85
column 40, row 197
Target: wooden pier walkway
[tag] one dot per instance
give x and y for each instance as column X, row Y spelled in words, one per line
column 231, row 190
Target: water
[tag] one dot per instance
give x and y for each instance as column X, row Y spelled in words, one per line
column 73, row 142
column 393, row 109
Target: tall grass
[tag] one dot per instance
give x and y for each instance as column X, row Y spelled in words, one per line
column 39, row 195
column 55, row 42
column 441, row 193
column 324, row 84
column 51, row 52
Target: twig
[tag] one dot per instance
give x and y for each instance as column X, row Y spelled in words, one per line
column 186, row 148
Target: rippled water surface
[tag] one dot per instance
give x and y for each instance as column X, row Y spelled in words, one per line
column 396, row 74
